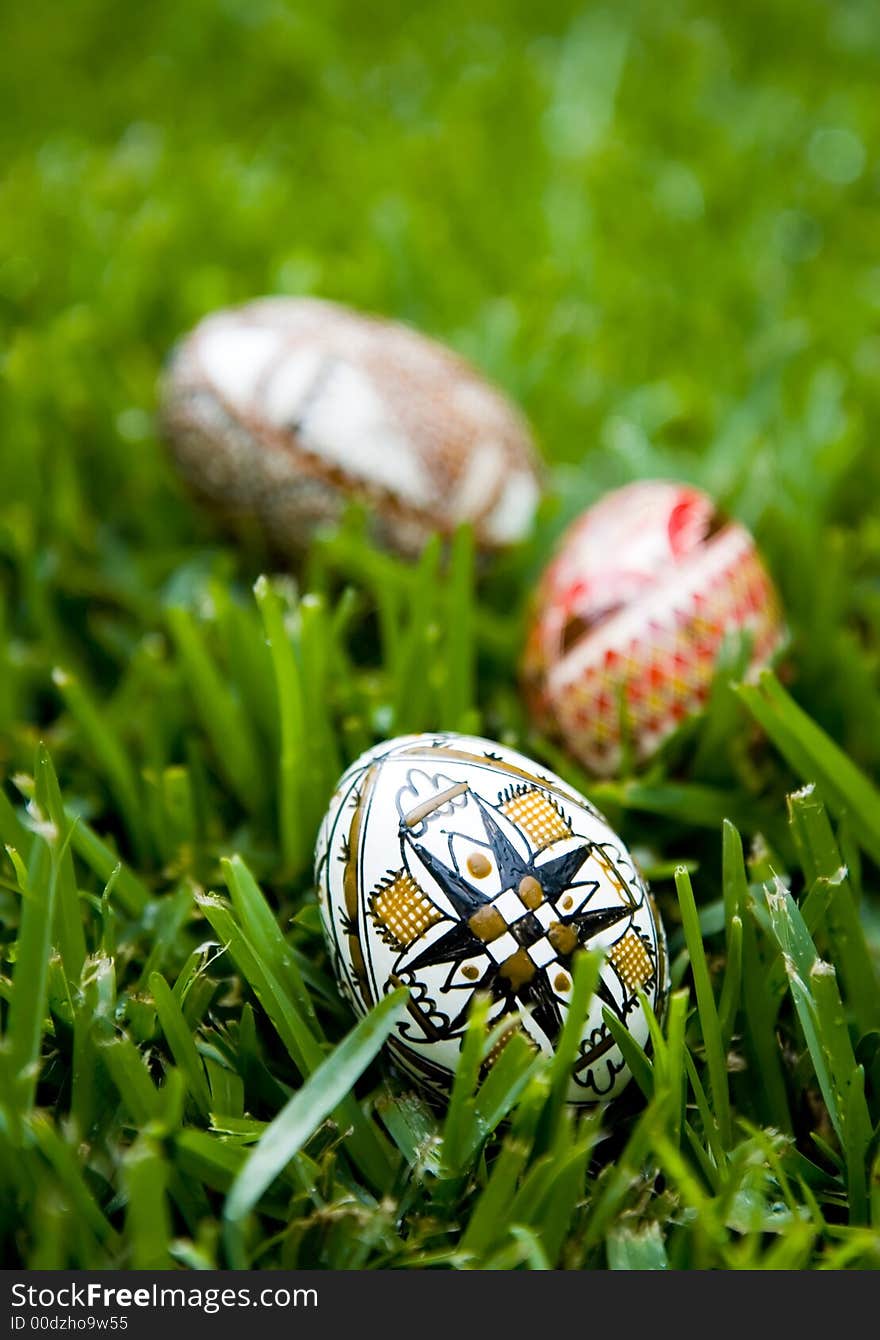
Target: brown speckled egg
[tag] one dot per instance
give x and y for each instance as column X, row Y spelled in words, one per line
column 285, row 409
column 631, row 615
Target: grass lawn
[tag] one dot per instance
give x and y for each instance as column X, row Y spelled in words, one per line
column 656, row 227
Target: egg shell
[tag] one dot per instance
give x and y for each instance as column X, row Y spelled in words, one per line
column 452, row 865
column 286, row 409
column 645, row 589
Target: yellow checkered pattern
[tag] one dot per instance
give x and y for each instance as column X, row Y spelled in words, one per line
column 632, row 961
column 537, row 817
column 403, row 910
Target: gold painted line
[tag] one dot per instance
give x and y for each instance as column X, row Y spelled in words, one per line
column 350, row 886
column 427, row 807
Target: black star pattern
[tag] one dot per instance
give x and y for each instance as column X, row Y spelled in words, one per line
column 519, row 983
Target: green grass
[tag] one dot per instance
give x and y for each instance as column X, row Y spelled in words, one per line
column 655, row 226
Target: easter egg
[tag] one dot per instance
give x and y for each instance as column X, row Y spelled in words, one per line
column 631, row 615
column 286, row 409
column 453, row 865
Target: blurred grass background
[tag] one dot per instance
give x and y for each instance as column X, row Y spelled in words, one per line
column 655, row 226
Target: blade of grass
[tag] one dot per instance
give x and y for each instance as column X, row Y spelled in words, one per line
column 132, row 1079
column 731, row 990
column 459, row 1113
column 565, row 1188
column 284, row 1014
column 110, row 756
column 500, row 1089
column 711, row 1132
column 672, row 1093
column 734, row 881
column 13, row 832
column 417, row 653
column 585, row 978
column 816, row 758
column 129, row 892
column 94, row 1014
column 365, row 1143
column 180, row 1040
column 760, row 1009
column 458, row 692
column 219, row 711
column 62, row 1157
column 227, row 1091
column 147, row 1218
column 826, row 876
column 690, row 803
column 255, row 916
column 320, row 746
column 291, row 710
column 636, row 1249
column 68, row 929
column 708, row 1014
column 30, row 978
column 858, row 1140
column 636, row 1057
column 209, row 1159
column 813, row 986
column 308, row 1108
column 167, row 930
column 492, row 1208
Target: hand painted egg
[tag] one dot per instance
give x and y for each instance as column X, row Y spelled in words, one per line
column 631, row 615
column 454, row 865
column 287, row 408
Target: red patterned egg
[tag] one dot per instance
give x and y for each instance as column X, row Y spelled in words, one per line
column 453, row 866
column 287, row 408
column 631, row 615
